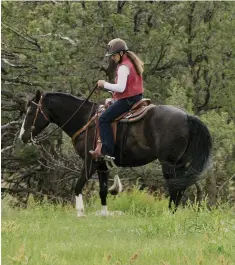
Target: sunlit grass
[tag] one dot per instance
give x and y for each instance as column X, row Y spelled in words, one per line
column 146, row 233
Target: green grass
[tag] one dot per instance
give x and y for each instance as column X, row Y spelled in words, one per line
column 146, row 233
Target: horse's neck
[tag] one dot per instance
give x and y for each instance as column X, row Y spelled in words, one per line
column 69, row 113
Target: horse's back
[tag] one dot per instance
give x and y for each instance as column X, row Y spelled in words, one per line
column 163, row 131
column 169, row 118
column 165, row 110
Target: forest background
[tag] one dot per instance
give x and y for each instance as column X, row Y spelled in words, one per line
column 188, row 51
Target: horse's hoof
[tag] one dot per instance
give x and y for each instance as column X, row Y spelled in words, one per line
column 101, row 213
column 80, row 214
column 104, row 213
column 116, row 187
column 113, row 192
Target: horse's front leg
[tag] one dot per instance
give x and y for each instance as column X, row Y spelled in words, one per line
column 78, row 191
column 103, row 181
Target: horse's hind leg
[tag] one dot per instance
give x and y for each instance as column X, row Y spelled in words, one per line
column 103, row 174
column 175, row 194
column 175, row 197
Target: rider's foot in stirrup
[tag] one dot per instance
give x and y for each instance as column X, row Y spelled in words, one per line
column 95, row 154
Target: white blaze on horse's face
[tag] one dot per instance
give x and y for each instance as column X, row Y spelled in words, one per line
column 22, row 130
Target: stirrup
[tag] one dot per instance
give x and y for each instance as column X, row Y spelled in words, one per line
column 109, row 161
column 108, row 158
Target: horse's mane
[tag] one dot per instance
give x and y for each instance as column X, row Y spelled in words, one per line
column 59, row 94
column 62, row 94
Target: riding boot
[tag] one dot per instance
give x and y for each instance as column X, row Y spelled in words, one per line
column 97, row 152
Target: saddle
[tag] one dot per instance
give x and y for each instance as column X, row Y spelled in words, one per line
column 136, row 113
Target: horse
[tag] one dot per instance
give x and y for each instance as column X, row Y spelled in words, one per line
column 180, row 141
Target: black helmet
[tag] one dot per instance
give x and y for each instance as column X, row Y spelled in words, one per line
column 115, row 46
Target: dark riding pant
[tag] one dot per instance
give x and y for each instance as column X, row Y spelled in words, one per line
column 114, row 111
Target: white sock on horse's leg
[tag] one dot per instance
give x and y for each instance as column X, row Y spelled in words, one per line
column 79, row 205
column 104, row 210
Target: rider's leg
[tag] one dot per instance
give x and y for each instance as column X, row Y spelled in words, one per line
column 105, row 122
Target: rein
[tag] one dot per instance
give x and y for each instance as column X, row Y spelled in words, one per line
column 39, row 107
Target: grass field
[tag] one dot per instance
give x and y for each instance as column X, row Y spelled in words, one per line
column 146, row 233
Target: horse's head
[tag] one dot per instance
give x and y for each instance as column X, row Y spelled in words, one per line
column 35, row 119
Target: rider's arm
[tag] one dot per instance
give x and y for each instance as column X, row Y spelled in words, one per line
column 122, row 74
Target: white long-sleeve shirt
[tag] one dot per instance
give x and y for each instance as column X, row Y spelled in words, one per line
column 122, row 75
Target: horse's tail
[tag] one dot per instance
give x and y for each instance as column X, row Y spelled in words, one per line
column 195, row 159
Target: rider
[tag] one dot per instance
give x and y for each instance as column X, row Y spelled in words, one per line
column 128, row 89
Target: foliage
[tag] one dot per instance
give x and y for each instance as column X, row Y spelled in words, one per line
column 187, row 48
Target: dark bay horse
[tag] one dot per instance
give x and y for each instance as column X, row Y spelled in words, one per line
column 181, row 142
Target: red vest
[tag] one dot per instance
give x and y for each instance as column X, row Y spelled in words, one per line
column 134, row 85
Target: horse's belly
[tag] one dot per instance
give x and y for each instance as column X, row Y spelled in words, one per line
column 133, row 148
column 135, row 154
column 130, row 162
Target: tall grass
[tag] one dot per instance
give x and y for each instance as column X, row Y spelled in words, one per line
column 146, row 233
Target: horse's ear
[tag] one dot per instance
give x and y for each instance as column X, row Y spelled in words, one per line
column 38, row 96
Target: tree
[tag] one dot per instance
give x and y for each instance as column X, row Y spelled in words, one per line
column 187, row 48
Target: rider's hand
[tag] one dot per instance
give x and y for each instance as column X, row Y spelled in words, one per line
column 100, row 83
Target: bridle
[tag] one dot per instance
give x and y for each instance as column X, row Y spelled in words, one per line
column 39, row 108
